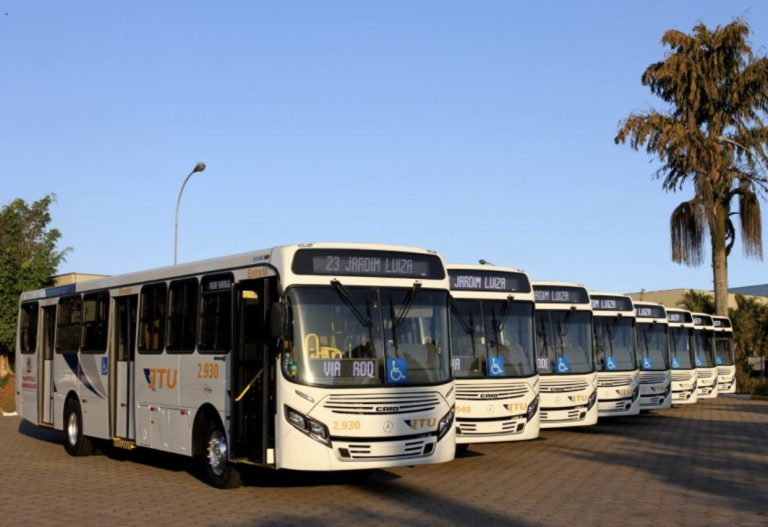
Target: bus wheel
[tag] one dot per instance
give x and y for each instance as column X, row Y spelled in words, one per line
column 461, row 449
column 219, row 471
column 75, row 443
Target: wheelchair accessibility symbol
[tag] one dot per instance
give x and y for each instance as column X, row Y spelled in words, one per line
column 496, row 366
column 675, row 362
column 563, row 365
column 698, row 361
column 718, row 360
column 397, row 371
column 647, row 364
column 610, row 362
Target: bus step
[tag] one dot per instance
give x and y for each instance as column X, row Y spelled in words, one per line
column 127, row 444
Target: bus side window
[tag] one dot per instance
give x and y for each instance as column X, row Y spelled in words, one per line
column 216, row 314
column 154, row 301
column 95, row 318
column 182, row 315
column 68, row 324
column 28, row 327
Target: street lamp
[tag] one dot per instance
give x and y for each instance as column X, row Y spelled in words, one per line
column 198, row 168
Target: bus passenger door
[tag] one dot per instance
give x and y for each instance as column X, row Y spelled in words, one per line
column 252, row 379
column 122, row 422
column 45, row 387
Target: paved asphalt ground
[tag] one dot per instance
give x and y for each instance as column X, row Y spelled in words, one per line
column 690, row 466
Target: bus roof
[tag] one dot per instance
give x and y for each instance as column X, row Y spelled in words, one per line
column 279, row 256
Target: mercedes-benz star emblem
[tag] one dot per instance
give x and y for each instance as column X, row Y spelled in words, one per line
column 388, row 426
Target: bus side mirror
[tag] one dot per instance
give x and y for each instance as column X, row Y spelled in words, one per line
column 277, row 320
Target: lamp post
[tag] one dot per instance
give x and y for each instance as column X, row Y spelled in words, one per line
column 198, row 168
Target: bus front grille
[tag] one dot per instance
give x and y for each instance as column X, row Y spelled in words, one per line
column 682, row 377
column 724, row 371
column 614, row 381
column 364, row 451
column 473, row 392
column 652, row 378
column 704, row 374
column 553, row 386
column 383, row 403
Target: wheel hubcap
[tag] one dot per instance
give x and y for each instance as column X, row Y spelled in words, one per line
column 217, row 452
column 72, row 428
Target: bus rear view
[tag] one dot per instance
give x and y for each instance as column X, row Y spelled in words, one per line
column 565, row 355
column 493, row 355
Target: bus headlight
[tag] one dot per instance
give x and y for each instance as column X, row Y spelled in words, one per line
column 314, row 429
column 592, row 400
column 445, row 423
column 532, row 408
column 635, row 393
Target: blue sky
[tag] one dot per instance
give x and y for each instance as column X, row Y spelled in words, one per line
column 481, row 129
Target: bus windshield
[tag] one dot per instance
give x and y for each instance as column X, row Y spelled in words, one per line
column 652, row 346
column 681, row 348
column 615, row 343
column 367, row 336
column 705, row 354
column 564, row 342
column 724, row 349
column 492, row 338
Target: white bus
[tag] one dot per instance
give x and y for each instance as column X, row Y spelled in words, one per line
column 312, row 357
column 493, row 359
column 724, row 359
column 682, row 356
column 565, row 355
column 618, row 376
column 706, row 368
column 653, row 356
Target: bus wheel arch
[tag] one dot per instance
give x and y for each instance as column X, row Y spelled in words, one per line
column 75, row 443
column 210, row 447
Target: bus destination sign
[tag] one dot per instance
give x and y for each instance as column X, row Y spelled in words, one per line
column 721, row 322
column 354, row 262
column 491, row 281
column 611, row 303
column 702, row 320
column 650, row 312
column 555, row 294
column 679, row 316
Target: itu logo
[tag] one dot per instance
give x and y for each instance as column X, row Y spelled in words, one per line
column 424, row 423
column 161, row 378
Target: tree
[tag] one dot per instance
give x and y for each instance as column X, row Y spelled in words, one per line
column 28, row 258
column 697, row 301
column 713, row 136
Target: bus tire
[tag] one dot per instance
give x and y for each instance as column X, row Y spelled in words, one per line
column 461, row 449
column 218, row 470
column 75, row 443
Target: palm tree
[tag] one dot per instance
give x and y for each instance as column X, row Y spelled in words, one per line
column 713, row 136
column 697, row 301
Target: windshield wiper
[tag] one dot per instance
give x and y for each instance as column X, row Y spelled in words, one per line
column 398, row 319
column 469, row 329
column 408, row 302
column 344, row 295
